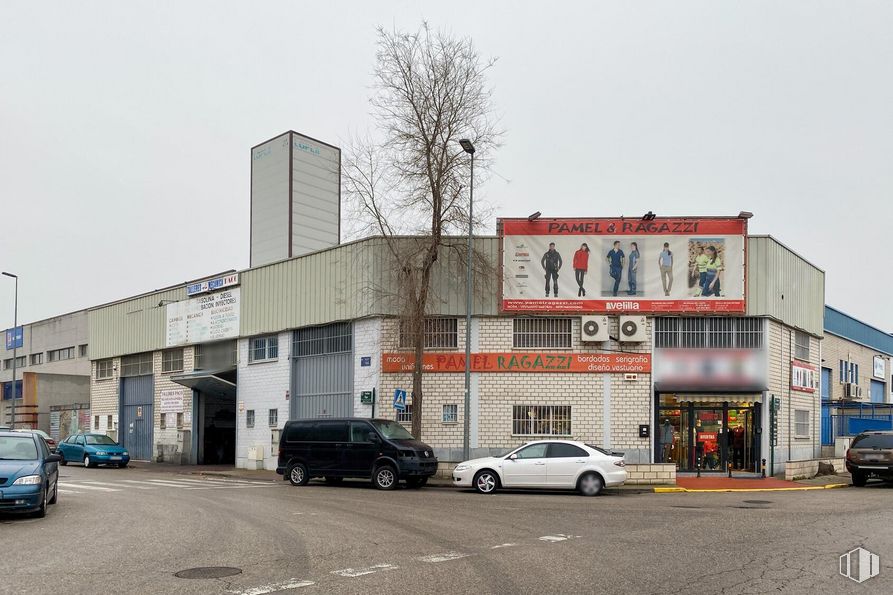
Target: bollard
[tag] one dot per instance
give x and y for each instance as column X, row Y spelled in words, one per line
column 764, row 468
column 699, row 466
column 729, row 466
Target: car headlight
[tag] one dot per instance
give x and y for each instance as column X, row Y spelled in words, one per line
column 28, row 480
column 462, row 468
column 125, row 453
column 101, row 453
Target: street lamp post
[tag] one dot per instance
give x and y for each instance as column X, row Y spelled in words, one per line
column 15, row 345
column 468, row 147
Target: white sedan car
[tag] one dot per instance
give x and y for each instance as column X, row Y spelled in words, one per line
column 554, row 464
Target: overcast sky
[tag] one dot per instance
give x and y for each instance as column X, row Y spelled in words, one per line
column 125, row 127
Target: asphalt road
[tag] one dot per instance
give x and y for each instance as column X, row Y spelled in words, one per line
column 130, row 531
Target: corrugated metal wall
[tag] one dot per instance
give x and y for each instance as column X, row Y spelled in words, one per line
column 130, row 326
column 784, row 286
column 844, row 325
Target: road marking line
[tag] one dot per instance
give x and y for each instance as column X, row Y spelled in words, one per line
column 355, row 572
column 445, row 557
column 114, row 485
column 61, row 491
column 272, row 588
column 165, row 482
column 501, row 545
column 226, row 487
column 220, row 481
column 558, row 537
column 84, row 487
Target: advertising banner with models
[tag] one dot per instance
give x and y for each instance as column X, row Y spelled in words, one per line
column 663, row 265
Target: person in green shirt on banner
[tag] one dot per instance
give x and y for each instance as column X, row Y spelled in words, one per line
column 712, row 284
column 700, row 269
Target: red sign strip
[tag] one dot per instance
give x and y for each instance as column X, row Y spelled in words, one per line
column 521, row 362
column 623, row 306
column 621, row 227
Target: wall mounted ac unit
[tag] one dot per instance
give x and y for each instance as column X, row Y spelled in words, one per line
column 594, row 329
column 852, row 392
column 632, row 329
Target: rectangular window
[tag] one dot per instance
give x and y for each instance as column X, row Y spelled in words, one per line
column 82, row 351
column 180, row 420
column 440, row 333
column 95, row 422
column 215, row 356
column 802, row 378
column 249, row 418
column 801, row 345
column 172, row 360
column 273, row 418
column 263, row 349
column 104, row 369
column 7, row 364
column 57, row 355
column 718, row 332
column 405, row 417
column 21, row 361
column 136, row 365
column 541, row 333
column 109, row 425
column 163, row 421
column 36, row 359
column 541, row 420
column 321, row 340
column 801, row 423
column 843, row 373
column 450, row 414
column 855, row 373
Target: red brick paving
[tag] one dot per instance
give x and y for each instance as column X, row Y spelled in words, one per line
column 726, row 483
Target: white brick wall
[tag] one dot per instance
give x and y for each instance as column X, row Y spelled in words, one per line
column 262, row 386
column 104, row 398
column 366, row 343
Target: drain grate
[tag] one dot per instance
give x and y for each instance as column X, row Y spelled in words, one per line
column 208, row 572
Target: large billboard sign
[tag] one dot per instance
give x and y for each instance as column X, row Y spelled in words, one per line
column 663, row 265
column 211, row 317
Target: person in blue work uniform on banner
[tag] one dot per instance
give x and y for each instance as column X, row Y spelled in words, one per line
column 633, row 268
column 616, row 258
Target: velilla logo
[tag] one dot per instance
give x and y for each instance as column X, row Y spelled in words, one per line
column 622, row 305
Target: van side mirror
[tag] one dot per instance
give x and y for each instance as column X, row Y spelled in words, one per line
column 373, row 437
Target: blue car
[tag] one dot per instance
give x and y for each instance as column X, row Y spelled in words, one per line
column 92, row 450
column 29, row 473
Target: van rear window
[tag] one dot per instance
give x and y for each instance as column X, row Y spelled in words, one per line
column 873, row 441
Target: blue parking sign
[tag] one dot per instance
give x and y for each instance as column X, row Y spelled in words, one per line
column 400, row 400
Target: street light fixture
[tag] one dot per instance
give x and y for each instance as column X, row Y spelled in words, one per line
column 15, row 344
column 468, row 147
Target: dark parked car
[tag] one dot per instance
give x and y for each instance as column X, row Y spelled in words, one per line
column 379, row 449
column 870, row 455
column 28, row 473
column 93, row 450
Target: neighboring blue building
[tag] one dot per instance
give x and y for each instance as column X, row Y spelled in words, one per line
column 855, row 377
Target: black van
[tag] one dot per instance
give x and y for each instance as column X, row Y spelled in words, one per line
column 379, row 449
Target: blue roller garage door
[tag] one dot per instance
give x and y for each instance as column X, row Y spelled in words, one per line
column 877, row 391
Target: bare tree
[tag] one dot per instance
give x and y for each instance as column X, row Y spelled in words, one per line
column 408, row 181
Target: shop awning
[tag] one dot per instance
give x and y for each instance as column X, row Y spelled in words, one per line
column 208, row 382
column 689, row 388
column 742, row 400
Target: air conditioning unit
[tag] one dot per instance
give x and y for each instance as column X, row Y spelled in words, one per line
column 594, row 329
column 632, row 329
column 852, row 392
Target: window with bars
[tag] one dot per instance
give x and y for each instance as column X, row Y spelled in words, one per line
column 36, row 359
column 82, row 351
column 263, row 349
column 450, row 413
column 801, row 423
column 172, row 360
column 708, row 333
column 95, row 422
column 57, row 355
column 136, row 365
column 405, row 417
column 162, row 424
column 273, row 418
column 321, row 340
column 104, row 369
column 541, row 333
column 109, row 424
column 440, row 333
column 541, row 420
column 215, row 356
column 801, row 345
column 249, row 418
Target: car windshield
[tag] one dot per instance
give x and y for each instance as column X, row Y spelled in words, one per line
column 873, row 441
column 91, row 439
column 17, row 448
column 392, row 430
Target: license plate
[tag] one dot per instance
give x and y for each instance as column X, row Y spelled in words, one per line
column 873, row 457
column 115, row 458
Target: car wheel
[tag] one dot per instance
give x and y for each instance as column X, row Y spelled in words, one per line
column 55, row 494
column 42, row 511
column 121, row 465
column 63, row 462
column 334, row 480
column 416, row 482
column 87, row 461
column 486, row 481
column 859, row 479
column 297, row 474
column 590, row 484
column 385, row 477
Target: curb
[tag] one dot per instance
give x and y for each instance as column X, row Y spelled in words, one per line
column 677, row 490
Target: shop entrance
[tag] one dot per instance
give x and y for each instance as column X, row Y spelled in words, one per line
column 708, row 433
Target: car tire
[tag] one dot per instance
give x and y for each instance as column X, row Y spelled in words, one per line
column 385, row 477
column 42, row 511
column 63, row 462
column 298, row 474
column 486, row 481
column 334, row 480
column 88, row 462
column 122, row 465
column 55, row 494
column 416, row 482
column 590, row 484
column 859, row 479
